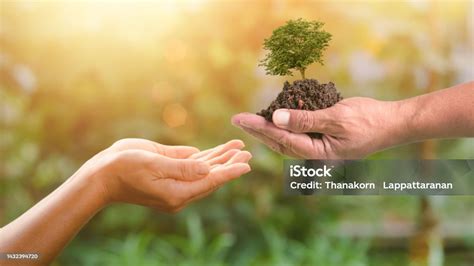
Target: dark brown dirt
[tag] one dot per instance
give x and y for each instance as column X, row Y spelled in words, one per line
column 307, row 94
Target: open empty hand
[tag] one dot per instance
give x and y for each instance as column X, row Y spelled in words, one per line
column 134, row 171
column 167, row 177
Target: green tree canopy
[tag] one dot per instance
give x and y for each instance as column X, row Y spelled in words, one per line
column 295, row 45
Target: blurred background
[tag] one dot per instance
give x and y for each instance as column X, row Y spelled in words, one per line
column 75, row 76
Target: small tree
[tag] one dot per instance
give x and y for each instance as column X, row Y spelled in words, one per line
column 295, row 45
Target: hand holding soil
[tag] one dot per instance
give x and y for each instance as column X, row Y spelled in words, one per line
column 356, row 127
column 307, row 94
column 351, row 129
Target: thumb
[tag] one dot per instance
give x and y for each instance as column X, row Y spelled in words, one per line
column 181, row 169
column 300, row 121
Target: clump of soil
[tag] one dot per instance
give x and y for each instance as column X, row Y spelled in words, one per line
column 307, row 94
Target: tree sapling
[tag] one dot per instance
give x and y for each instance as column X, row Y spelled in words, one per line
column 294, row 46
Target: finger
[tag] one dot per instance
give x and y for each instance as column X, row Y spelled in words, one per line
column 282, row 141
column 223, row 158
column 204, row 153
column 239, row 157
column 272, row 144
column 151, row 146
column 304, row 121
column 180, row 169
column 297, row 145
column 135, row 144
column 215, row 179
column 219, row 150
column 237, row 119
column 259, row 124
column 179, row 152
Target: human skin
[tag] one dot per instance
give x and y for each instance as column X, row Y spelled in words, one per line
column 356, row 127
column 136, row 171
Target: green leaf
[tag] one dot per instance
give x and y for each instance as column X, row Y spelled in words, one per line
column 294, row 46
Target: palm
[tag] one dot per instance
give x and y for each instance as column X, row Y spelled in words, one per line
column 298, row 145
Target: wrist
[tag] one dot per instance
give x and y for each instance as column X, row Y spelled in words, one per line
column 396, row 123
column 404, row 121
column 93, row 175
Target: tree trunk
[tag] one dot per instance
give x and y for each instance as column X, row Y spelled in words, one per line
column 427, row 245
column 302, row 72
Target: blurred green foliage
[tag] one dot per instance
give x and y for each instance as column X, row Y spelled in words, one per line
column 76, row 76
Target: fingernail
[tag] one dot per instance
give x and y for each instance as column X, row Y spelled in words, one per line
column 235, row 121
column 248, row 168
column 281, row 118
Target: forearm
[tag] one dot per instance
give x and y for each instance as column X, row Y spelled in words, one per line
column 447, row 113
column 134, row 171
column 48, row 226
